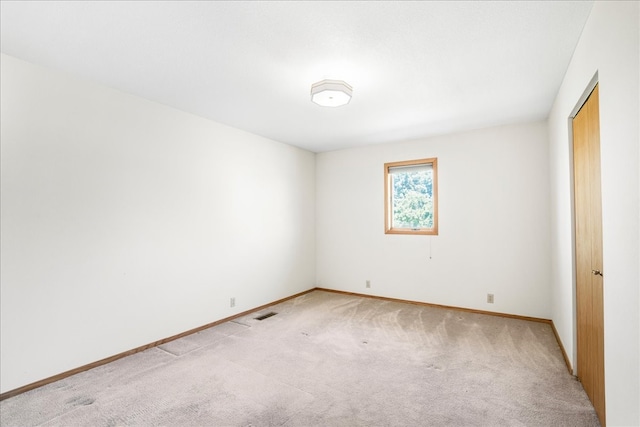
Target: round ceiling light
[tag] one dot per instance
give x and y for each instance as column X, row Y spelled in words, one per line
column 331, row 93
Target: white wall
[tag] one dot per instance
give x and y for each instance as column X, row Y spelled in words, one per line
column 610, row 46
column 125, row 221
column 493, row 222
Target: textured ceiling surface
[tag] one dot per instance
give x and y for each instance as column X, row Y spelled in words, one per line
column 417, row 68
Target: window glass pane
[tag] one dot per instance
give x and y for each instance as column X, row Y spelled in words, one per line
column 412, row 197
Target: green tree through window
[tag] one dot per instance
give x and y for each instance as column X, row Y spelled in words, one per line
column 411, row 197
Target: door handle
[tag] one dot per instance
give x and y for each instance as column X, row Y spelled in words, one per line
column 597, row 273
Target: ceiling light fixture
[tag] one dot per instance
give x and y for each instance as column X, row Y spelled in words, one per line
column 331, row 93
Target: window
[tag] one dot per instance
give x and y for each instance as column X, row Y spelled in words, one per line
column 411, row 197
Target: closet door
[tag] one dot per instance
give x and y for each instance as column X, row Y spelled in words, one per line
column 588, row 243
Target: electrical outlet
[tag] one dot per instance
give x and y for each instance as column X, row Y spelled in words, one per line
column 368, row 283
column 490, row 298
column 232, row 302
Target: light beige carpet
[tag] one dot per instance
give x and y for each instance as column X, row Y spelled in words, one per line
column 327, row 359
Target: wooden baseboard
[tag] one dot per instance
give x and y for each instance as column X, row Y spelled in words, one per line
column 564, row 352
column 468, row 310
column 113, row 358
column 449, row 307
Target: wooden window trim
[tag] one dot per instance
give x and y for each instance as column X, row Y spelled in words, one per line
column 388, row 229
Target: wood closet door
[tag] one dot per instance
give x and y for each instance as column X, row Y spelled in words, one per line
column 588, row 243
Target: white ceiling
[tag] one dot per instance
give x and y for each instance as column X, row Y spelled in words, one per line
column 417, row 68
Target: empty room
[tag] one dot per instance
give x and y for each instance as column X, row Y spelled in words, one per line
column 292, row 213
